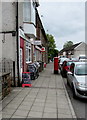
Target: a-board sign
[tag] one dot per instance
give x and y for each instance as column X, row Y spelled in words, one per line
column 26, row 79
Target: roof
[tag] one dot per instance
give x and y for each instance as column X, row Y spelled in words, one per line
column 80, row 62
column 70, row 48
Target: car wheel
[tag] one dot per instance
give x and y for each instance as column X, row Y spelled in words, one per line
column 74, row 94
column 62, row 74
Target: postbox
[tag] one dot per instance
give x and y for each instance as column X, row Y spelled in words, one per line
column 56, row 65
column 44, row 65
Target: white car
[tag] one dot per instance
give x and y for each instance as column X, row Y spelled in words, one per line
column 82, row 57
column 78, row 79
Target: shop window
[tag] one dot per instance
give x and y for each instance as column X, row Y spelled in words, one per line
column 28, row 52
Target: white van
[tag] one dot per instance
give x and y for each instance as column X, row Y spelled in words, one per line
column 82, row 57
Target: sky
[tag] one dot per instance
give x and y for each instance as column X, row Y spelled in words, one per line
column 64, row 20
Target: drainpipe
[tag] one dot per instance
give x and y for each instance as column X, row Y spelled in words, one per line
column 17, row 40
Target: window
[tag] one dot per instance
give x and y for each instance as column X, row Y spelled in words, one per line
column 27, row 11
column 81, row 69
column 28, row 52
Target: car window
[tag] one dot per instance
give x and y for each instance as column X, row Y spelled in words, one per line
column 69, row 63
column 63, row 59
column 72, row 66
column 81, row 69
column 83, row 57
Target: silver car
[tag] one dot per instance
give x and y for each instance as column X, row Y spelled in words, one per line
column 77, row 79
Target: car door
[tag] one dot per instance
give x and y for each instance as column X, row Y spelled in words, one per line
column 70, row 75
column 69, row 78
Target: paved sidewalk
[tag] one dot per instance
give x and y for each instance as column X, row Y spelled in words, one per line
column 47, row 98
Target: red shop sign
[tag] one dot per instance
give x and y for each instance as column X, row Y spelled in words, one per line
column 43, row 49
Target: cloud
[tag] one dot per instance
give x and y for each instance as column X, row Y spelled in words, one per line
column 75, row 38
column 64, row 21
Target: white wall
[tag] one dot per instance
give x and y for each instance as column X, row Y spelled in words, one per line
column 20, row 13
column 8, row 16
column 80, row 50
column 9, row 47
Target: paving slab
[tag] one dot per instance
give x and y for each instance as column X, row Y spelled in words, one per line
column 23, row 107
column 13, row 106
column 65, row 116
column 22, row 113
column 5, row 115
column 37, row 108
column 27, row 103
column 49, row 115
column 50, row 110
column 64, row 111
column 35, row 114
column 18, row 117
column 8, row 111
column 41, row 104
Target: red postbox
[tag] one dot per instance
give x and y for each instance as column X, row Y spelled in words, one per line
column 56, row 65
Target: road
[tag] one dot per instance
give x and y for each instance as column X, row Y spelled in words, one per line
column 79, row 105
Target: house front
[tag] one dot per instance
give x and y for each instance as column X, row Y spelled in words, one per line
column 74, row 51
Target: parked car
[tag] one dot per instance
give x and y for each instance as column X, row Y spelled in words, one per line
column 82, row 57
column 74, row 59
column 33, row 71
column 61, row 60
column 66, row 67
column 76, row 78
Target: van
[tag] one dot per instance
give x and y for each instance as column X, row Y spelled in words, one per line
column 82, row 57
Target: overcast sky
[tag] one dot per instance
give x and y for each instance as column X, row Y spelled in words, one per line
column 64, row 20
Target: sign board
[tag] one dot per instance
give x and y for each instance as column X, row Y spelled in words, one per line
column 43, row 49
column 26, row 79
column 37, row 42
column 38, row 48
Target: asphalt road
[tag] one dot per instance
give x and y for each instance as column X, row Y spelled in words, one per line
column 79, row 105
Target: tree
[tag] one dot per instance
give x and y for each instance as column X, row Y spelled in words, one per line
column 52, row 51
column 55, row 53
column 68, row 44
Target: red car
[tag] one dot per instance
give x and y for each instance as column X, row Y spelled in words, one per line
column 65, row 67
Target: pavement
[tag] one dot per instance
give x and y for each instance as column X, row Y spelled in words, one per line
column 47, row 98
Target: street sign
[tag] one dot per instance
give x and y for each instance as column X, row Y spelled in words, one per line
column 43, row 49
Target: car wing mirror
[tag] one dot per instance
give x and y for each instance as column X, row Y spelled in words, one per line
column 70, row 73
